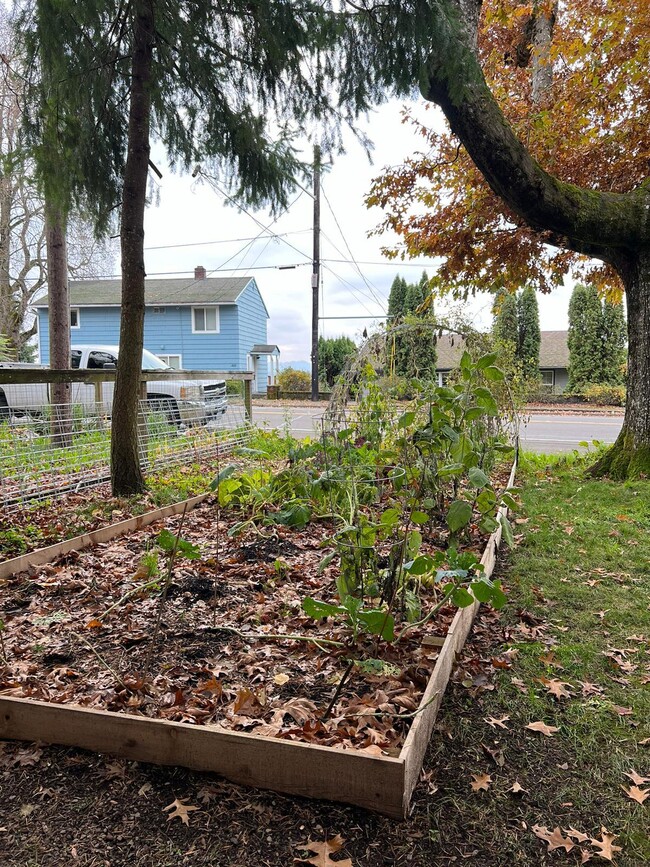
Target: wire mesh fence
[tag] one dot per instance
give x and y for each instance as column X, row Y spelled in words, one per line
column 48, row 450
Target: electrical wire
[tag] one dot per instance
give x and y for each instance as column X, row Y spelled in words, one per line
column 373, row 290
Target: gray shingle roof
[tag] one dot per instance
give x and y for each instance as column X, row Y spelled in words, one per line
column 264, row 349
column 553, row 351
column 157, row 292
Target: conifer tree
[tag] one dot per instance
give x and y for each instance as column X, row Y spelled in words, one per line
column 614, row 351
column 226, row 85
column 585, row 338
column 506, row 320
column 529, row 337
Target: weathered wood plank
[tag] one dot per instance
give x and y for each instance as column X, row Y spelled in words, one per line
column 103, row 534
column 373, row 782
column 417, row 740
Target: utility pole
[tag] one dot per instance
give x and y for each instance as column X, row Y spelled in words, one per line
column 315, row 277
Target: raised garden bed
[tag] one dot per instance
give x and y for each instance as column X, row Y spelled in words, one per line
column 296, row 631
column 374, row 763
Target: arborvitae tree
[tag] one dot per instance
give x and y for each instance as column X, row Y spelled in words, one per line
column 614, row 350
column 585, row 338
column 396, row 299
column 418, row 340
column 529, row 337
column 506, row 320
column 333, row 353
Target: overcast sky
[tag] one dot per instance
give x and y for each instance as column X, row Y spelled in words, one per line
column 190, row 225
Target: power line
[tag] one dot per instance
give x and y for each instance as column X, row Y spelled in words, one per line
column 224, row 240
column 372, row 289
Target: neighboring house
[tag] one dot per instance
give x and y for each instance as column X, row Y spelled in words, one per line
column 205, row 323
column 553, row 358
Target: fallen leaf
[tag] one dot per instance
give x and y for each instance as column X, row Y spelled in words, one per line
column 516, row 788
column 554, row 838
column 551, row 659
column 622, row 711
column 323, row 851
column 207, row 794
column 495, row 754
column 144, row 789
column 590, row 688
column 281, row 679
column 115, row 771
column 636, row 794
column 541, row 727
column 556, row 687
column 577, row 835
column 494, row 722
column 26, row 810
column 607, row 849
column 94, row 624
column 180, row 810
column 481, row 782
column 637, row 779
column 645, row 742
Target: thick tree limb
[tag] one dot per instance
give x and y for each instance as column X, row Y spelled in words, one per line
column 588, row 221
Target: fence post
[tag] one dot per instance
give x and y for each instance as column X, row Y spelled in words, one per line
column 143, row 426
column 248, row 400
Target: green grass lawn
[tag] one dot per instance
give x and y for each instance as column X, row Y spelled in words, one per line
column 579, row 582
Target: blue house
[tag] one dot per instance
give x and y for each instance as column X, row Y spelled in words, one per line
column 205, row 323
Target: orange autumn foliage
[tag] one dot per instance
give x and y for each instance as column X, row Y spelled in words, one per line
column 590, row 130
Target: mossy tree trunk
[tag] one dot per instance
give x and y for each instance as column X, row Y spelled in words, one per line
column 629, row 457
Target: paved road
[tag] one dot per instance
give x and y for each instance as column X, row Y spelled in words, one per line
column 543, row 432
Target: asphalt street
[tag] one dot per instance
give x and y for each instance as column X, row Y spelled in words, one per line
column 541, row 432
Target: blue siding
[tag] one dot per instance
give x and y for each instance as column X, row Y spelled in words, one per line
column 241, row 326
column 252, row 327
column 100, row 325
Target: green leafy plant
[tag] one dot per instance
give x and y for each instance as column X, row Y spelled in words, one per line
column 374, row 621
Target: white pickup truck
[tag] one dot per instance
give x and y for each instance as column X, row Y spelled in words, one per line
column 190, row 401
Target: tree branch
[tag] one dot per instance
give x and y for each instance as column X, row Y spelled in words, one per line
column 591, row 222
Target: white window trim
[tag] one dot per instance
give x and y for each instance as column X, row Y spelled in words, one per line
column 78, row 325
column 165, row 356
column 218, row 319
column 550, row 370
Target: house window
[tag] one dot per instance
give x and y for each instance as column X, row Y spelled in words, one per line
column 443, row 376
column 205, row 320
column 74, row 318
column 547, row 378
column 171, row 360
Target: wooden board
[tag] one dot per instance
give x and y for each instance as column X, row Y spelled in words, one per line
column 373, row 782
column 417, row 740
column 104, row 534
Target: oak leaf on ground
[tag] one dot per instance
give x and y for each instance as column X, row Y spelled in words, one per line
column 636, row 794
column 606, row 845
column 542, row 728
column 637, row 779
column 324, row 851
column 494, row 722
column 180, row 810
column 481, row 782
column 554, row 838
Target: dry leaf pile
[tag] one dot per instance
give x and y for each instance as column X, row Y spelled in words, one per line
column 79, row 631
